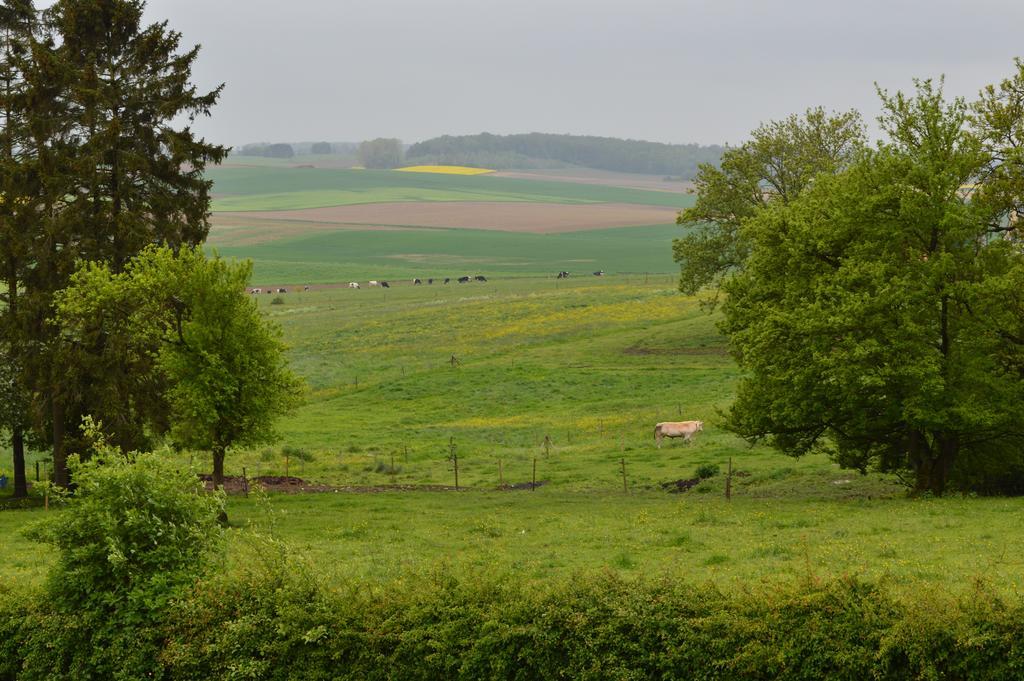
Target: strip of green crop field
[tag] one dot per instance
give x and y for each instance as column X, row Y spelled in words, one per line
column 270, row 188
column 352, row 255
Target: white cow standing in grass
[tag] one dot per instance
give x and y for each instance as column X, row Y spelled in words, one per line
column 683, row 429
column 353, row 284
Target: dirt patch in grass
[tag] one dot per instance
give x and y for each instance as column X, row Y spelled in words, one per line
column 236, row 484
column 677, row 486
column 539, row 218
column 515, row 486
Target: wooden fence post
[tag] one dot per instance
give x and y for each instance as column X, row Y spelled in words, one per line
column 455, row 460
column 533, row 484
column 245, row 482
column 728, row 482
column 625, row 486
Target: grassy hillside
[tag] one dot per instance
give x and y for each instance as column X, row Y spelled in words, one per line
column 276, row 188
column 591, row 364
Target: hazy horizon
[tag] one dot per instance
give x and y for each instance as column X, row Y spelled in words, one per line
column 681, row 72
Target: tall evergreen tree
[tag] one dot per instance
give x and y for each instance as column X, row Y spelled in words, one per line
column 117, row 171
column 17, row 210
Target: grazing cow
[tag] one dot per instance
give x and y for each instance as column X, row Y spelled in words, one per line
column 282, row 290
column 416, row 281
column 562, row 275
column 270, row 290
column 683, row 429
column 463, row 280
column 447, row 279
column 373, row 282
column 385, row 284
column 480, row 277
column 599, row 273
column 430, row 281
column 305, row 288
column 256, row 290
column 353, row 284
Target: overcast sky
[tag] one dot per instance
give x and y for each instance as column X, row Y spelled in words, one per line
column 704, row 71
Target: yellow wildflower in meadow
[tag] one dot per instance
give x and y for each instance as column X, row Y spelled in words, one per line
column 445, row 170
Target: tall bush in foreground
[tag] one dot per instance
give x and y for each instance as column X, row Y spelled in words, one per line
column 137, row 532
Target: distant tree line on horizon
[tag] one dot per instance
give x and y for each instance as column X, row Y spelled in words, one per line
column 543, row 150
column 289, row 150
column 501, row 152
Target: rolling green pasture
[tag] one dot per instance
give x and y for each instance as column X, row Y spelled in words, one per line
column 590, row 364
column 276, row 188
column 359, row 255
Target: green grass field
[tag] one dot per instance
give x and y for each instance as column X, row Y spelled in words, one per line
column 591, row 364
column 276, row 188
column 349, row 255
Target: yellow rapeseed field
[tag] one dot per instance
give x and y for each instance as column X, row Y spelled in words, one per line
column 446, row 170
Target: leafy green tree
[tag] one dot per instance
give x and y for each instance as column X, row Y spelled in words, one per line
column 382, row 153
column 322, row 148
column 780, row 161
column 279, row 150
column 194, row 332
column 868, row 315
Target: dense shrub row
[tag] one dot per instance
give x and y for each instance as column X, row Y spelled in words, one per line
column 268, row 621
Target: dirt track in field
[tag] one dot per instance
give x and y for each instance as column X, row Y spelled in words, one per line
column 540, row 218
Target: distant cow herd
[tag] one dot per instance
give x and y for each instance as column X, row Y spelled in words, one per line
column 273, row 290
column 565, row 275
column 378, row 283
column 417, row 281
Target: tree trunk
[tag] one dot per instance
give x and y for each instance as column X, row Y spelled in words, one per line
column 18, row 446
column 947, row 446
column 218, row 477
column 60, row 461
column 932, row 463
column 218, row 467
